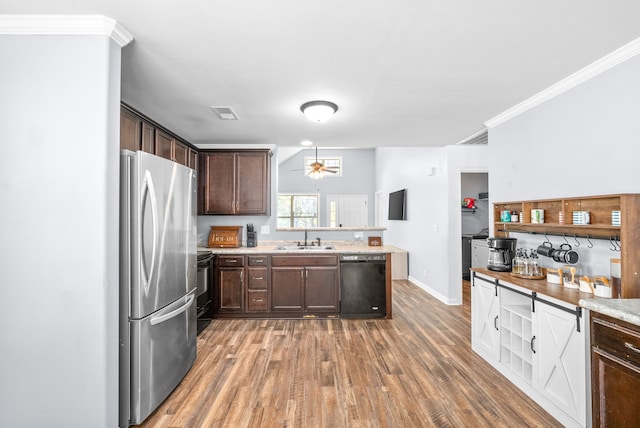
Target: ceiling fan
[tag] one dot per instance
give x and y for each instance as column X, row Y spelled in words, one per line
column 317, row 169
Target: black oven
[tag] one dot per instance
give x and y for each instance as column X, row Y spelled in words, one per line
column 204, row 300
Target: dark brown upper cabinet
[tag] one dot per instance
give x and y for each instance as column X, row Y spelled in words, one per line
column 234, row 182
column 139, row 133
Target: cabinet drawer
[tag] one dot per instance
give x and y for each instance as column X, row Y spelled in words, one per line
column 257, row 301
column 616, row 339
column 304, row 261
column 258, row 260
column 257, row 278
column 230, row 261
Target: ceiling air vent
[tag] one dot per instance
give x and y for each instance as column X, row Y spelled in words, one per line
column 481, row 137
column 225, row 113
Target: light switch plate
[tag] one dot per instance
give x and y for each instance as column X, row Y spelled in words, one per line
column 265, row 230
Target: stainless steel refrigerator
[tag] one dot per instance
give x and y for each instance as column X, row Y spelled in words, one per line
column 158, row 269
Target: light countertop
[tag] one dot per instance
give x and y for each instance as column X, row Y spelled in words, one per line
column 623, row 309
column 340, row 248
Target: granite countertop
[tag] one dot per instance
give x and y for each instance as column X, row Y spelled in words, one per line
column 270, row 248
column 623, row 309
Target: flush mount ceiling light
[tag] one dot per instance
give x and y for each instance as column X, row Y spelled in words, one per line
column 319, row 111
column 306, row 143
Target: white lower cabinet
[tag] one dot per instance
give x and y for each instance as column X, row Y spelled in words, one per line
column 560, row 370
column 485, row 335
column 537, row 342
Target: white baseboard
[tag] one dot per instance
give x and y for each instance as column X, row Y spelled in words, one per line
column 434, row 293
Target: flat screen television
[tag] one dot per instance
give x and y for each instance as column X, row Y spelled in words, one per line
column 398, row 205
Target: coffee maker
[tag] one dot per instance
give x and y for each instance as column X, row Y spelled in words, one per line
column 501, row 253
column 252, row 236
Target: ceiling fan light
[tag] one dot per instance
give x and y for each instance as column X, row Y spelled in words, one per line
column 319, row 111
column 316, row 175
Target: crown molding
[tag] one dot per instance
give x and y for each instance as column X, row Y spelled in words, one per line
column 82, row 25
column 611, row 60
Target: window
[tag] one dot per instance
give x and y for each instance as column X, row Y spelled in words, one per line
column 297, row 210
column 334, row 162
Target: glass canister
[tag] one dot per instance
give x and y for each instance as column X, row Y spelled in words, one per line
column 571, row 276
column 615, row 271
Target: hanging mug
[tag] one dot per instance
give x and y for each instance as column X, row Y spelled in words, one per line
column 566, row 255
column 546, row 249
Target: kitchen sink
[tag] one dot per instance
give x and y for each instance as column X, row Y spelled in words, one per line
column 305, row 248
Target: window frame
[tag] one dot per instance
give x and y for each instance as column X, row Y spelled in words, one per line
column 292, row 217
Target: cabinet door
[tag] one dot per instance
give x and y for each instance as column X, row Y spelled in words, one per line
column 615, row 372
column 181, row 154
column 287, row 288
column 148, row 138
column 560, row 354
column 193, row 159
column 217, row 183
column 252, row 191
column 321, row 289
column 615, row 387
column 164, row 145
column 485, row 333
column 231, row 289
column 130, row 131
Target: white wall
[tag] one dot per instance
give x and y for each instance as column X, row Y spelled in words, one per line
column 582, row 142
column 358, row 177
column 59, row 185
column 432, row 231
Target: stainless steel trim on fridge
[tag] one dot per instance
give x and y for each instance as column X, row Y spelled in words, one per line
column 158, row 268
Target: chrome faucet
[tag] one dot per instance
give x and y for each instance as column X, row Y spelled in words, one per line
column 305, row 237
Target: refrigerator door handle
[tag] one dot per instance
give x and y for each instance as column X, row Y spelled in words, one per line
column 149, row 189
column 161, row 318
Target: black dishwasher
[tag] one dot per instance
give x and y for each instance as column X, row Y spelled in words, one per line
column 363, row 286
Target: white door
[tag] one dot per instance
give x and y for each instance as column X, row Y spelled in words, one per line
column 485, row 333
column 559, row 372
column 347, row 210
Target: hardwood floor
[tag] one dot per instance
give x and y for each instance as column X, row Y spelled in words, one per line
column 416, row 370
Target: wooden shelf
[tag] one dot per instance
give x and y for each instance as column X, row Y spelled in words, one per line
column 588, row 230
column 600, row 208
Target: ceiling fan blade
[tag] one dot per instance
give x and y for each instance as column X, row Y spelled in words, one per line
column 328, row 170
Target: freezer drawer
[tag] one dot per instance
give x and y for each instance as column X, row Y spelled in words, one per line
column 163, row 349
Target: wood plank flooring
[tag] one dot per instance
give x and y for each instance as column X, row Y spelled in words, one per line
column 416, row 370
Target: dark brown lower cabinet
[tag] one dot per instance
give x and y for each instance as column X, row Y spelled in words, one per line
column 615, row 372
column 230, row 284
column 277, row 286
column 305, row 284
column 320, row 289
column 258, row 283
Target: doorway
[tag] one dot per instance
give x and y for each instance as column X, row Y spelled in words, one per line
column 347, row 210
column 474, row 218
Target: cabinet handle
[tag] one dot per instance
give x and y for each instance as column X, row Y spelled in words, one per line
column 257, row 300
column 258, row 277
column 532, row 339
column 232, row 261
column 495, row 322
column 259, row 261
column 633, row 348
